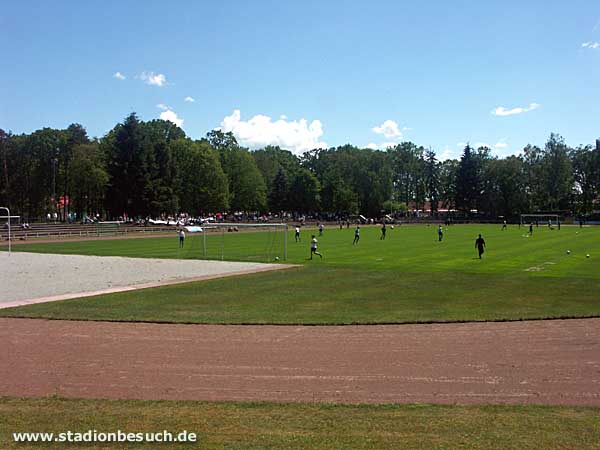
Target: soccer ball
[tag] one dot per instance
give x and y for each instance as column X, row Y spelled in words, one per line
column 568, row 252
column 587, row 256
column 392, row 227
column 277, row 258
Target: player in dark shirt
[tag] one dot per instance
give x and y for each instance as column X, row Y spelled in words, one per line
column 480, row 245
column 356, row 235
column 383, row 231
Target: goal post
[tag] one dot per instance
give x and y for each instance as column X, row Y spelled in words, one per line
column 260, row 242
column 8, row 218
column 540, row 219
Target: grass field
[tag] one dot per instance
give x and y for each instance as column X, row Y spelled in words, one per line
column 409, row 277
column 271, row 425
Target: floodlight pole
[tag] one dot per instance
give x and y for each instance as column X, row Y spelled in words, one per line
column 54, row 161
column 8, row 214
column 285, row 233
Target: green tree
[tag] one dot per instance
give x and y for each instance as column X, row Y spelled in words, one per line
column 201, row 185
column 352, row 179
column 305, row 192
column 276, row 165
column 221, row 141
column 75, row 135
column 160, row 166
column 468, row 181
column 89, row 179
column 337, row 195
column 585, row 174
column 557, row 173
column 5, row 154
column 432, row 179
column 408, row 165
column 504, row 187
column 127, row 169
column 534, row 177
column 279, row 192
column 448, row 175
column 246, row 184
column 141, row 167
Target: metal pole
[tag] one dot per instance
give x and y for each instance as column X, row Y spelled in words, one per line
column 54, row 161
column 222, row 244
column 285, row 232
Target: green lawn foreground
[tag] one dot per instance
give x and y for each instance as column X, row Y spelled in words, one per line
column 410, row 277
column 316, row 426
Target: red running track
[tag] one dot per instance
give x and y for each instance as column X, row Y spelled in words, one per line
column 546, row 362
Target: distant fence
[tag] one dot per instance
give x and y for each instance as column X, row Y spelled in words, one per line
column 91, row 230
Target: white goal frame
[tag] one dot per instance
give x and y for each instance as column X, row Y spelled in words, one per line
column 8, row 217
column 554, row 218
column 224, row 226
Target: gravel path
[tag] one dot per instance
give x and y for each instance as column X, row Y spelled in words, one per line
column 544, row 362
column 27, row 278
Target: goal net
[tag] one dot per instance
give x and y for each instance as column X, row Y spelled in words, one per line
column 540, row 219
column 237, row 242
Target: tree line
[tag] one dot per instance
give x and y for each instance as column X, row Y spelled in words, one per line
column 147, row 169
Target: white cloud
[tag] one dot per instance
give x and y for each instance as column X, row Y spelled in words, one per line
column 501, row 144
column 501, row 111
column 447, row 153
column 163, row 106
column 119, row 76
column 592, row 45
column 389, row 129
column 381, row 146
column 189, row 99
column 153, row 79
column 295, row 135
column 171, row 116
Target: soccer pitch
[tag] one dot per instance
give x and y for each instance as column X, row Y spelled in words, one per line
column 408, row 277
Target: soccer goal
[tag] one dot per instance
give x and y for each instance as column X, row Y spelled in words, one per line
column 549, row 220
column 6, row 231
column 261, row 242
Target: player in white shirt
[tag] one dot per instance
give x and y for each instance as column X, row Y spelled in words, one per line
column 313, row 247
column 181, row 238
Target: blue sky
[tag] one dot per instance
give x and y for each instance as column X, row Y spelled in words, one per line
column 309, row 73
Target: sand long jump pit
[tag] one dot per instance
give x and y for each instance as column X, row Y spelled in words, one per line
column 27, row 278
